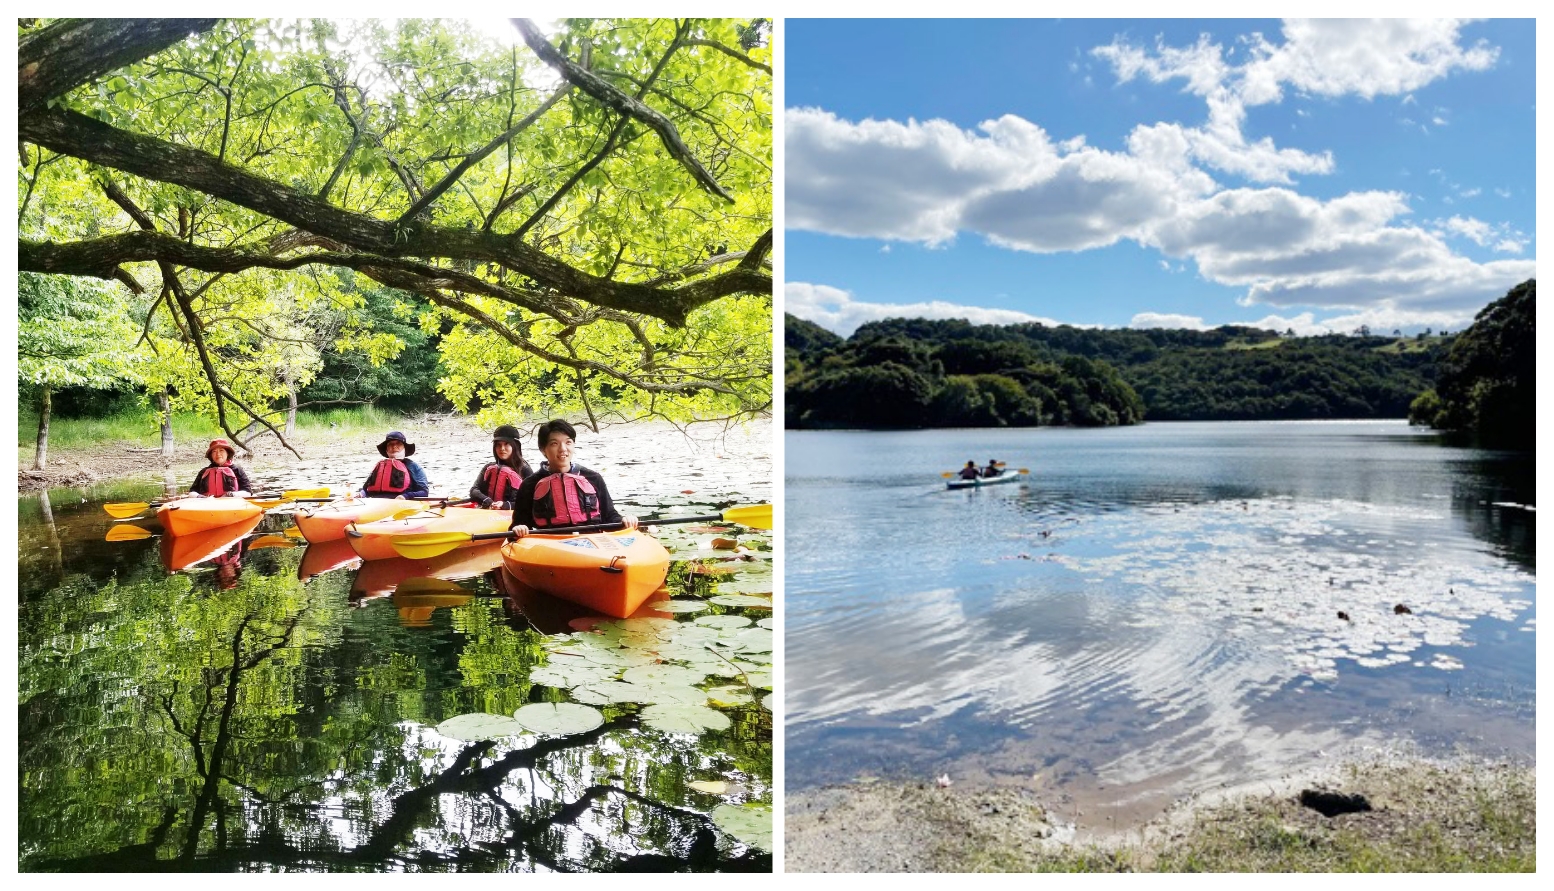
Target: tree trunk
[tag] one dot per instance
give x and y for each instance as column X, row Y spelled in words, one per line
column 40, row 458
column 291, row 406
column 56, row 556
column 166, row 405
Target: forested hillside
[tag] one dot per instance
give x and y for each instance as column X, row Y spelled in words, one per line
column 1488, row 381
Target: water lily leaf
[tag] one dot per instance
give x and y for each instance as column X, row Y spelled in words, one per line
column 757, row 676
column 757, row 640
column 751, row 824
column 571, row 672
column 617, row 658
column 694, row 635
column 673, row 675
column 558, row 718
column 741, row 600
column 767, row 622
column 762, row 658
column 711, row 787
column 766, row 701
column 723, row 621
column 727, row 696
column 478, row 726
column 747, row 583
column 611, row 692
column 724, row 544
column 678, row 718
column 680, row 606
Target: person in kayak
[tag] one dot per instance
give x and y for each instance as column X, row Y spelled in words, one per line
column 992, row 468
column 970, row 471
column 221, row 476
column 562, row 494
column 396, row 476
column 497, row 484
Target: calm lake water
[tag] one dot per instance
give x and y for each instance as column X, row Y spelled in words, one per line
column 1156, row 612
column 230, row 716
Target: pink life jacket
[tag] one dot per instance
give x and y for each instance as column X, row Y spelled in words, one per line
column 391, row 476
column 218, row 480
column 565, row 499
column 498, row 480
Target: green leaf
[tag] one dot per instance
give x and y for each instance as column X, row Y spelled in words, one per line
column 751, row 824
column 692, row 719
column 479, row 726
column 558, row 718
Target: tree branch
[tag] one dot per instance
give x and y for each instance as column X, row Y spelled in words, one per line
column 57, row 59
column 727, row 50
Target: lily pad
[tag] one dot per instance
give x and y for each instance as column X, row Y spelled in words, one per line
column 611, row 692
column 558, row 718
column 675, row 675
column 711, row 787
column 767, row 622
column 741, row 600
column 478, row 726
column 748, row 583
column 572, row 672
column 751, row 824
column 680, row 606
column 694, row 719
column 766, row 702
column 723, row 621
column 726, row 696
column 757, row 640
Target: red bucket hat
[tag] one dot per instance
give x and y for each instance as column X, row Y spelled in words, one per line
column 220, row 444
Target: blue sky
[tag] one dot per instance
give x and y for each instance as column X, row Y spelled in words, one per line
column 1174, row 173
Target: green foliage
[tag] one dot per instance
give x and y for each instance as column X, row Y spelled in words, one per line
column 75, row 332
column 1488, row 381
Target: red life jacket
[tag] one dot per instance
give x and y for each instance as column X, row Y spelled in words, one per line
column 218, row 481
column 390, row 476
column 565, row 499
column 498, row 480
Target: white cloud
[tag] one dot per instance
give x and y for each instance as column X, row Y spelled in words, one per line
column 835, row 309
column 1167, row 320
column 1510, row 246
column 1478, row 231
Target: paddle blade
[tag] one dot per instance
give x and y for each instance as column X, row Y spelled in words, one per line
column 127, row 533
column 422, row 545
column 295, row 494
column 292, row 532
column 271, row 541
column 947, row 474
column 756, row 516
column 123, row 510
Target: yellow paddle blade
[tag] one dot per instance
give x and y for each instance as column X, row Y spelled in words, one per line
column 422, row 545
column 424, row 585
column 123, row 510
column 292, row 532
column 127, row 533
column 409, row 512
column 756, row 516
column 271, row 541
column 947, row 474
column 265, row 502
column 293, row 494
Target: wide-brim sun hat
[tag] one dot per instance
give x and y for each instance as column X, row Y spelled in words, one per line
column 393, row 436
column 506, row 433
column 220, row 444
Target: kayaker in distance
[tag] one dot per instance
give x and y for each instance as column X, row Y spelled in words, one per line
column 221, row 476
column 396, row 476
column 992, row 468
column 497, row 484
column 970, row 471
column 560, row 493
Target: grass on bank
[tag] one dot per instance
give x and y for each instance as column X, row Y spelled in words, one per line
column 1427, row 818
column 141, row 429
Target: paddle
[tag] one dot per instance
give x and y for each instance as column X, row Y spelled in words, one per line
column 423, row 545
column 127, row 533
column 123, row 510
column 272, row 541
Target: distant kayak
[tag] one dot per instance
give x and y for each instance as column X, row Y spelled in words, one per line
column 1012, row 476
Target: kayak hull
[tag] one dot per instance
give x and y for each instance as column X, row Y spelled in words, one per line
column 374, row 540
column 189, row 515
column 180, row 552
column 327, row 522
column 608, row 572
column 322, row 557
column 981, row 482
column 376, row 578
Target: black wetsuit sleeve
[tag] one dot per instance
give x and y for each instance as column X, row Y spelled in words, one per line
column 199, row 481
column 523, row 502
column 607, row 511
column 243, row 485
column 477, row 492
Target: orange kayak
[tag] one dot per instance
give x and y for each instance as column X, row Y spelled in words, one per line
column 371, row 540
column 552, row 615
column 183, row 551
column 187, row 515
column 608, row 572
column 327, row 522
column 379, row 577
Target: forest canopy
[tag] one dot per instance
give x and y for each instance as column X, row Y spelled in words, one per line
column 580, row 220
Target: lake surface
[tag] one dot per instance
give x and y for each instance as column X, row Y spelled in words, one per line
column 1156, row 612
column 281, row 707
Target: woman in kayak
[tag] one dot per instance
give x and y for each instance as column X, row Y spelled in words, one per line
column 992, row 468
column 396, row 476
column 221, row 476
column 562, row 494
column 970, row 471
column 498, row 482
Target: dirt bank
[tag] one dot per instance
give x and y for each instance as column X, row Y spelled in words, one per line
column 1422, row 816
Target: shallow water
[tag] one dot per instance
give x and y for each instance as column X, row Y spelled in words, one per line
column 230, row 716
column 1156, row 612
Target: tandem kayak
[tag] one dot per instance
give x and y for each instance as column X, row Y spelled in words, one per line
column 189, row 515
column 327, row 522
column 608, row 572
column 373, row 541
column 1013, row 476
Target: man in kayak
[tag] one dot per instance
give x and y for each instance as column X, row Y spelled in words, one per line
column 498, row 482
column 970, row 471
column 562, row 494
column 221, row 476
column 992, row 468
column 396, row 476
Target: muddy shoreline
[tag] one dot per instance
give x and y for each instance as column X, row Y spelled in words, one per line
column 928, row 827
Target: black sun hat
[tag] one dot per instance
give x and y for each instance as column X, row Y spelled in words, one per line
column 506, row 433
column 395, row 435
